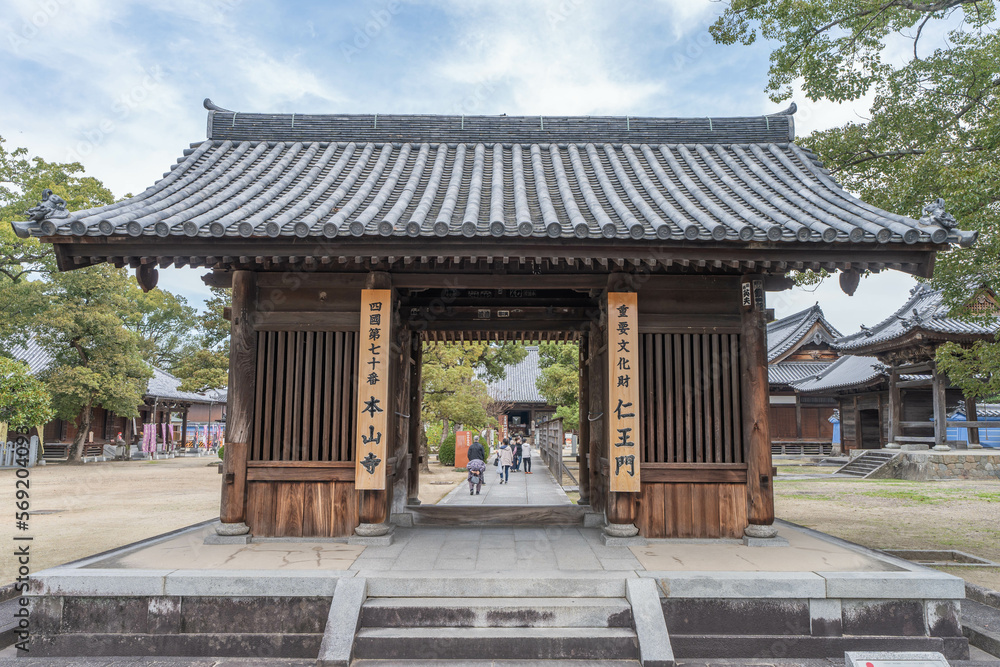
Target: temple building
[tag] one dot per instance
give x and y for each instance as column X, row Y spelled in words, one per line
column 350, row 239
column 886, row 382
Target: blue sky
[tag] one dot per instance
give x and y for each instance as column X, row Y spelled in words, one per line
column 117, row 84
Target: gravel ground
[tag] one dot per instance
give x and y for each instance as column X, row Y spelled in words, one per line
column 86, row 509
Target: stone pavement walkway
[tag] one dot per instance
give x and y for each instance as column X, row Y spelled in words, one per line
column 538, row 488
column 491, row 549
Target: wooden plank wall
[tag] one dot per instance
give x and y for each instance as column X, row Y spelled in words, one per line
column 305, row 399
column 690, row 395
column 693, row 470
column 307, row 508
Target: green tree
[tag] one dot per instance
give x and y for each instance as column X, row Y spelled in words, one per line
column 974, row 370
column 97, row 360
column 164, row 323
column 204, row 362
column 559, row 381
column 24, row 400
column 934, row 127
column 23, row 261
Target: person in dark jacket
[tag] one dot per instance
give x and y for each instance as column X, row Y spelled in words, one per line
column 517, row 455
column 476, row 450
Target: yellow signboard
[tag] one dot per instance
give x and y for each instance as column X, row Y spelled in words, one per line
column 622, row 411
column 373, row 389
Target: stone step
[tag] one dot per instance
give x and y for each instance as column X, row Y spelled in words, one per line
column 493, row 662
column 485, row 643
column 496, row 612
column 477, row 585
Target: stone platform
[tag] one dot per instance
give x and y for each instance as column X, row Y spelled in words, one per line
column 923, row 465
column 177, row 596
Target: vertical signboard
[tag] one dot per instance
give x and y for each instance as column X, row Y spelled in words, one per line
column 622, row 412
column 504, row 433
column 373, row 388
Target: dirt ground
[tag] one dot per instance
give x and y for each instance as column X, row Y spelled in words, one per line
column 436, row 484
column 83, row 510
column 963, row 515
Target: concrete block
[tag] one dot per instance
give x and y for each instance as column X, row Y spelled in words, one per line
column 776, row 541
column 825, row 618
column 736, row 616
column 922, row 585
column 650, row 626
column 593, row 520
column 342, row 623
column 404, row 519
column 212, row 538
column 887, row 618
column 611, row 541
column 741, row 584
column 373, row 540
column 538, row 584
column 943, row 618
column 66, row 581
column 916, row 658
column 164, row 614
column 250, row 583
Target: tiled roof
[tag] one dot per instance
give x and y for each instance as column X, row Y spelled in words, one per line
column 844, row 373
column 786, row 372
column 924, row 310
column 165, row 385
column 784, row 334
column 161, row 385
column 519, row 384
column 33, row 354
column 291, row 175
column 983, row 410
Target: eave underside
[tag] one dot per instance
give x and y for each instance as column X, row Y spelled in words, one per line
column 532, row 257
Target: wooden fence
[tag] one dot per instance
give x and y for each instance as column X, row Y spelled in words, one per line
column 549, row 441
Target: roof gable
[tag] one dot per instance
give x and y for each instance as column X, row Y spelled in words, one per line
column 519, row 384
column 788, row 334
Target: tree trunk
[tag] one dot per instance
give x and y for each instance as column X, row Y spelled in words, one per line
column 444, row 431
column 75, row 453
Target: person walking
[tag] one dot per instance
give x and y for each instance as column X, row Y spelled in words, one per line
column 506, row 457
column 526, row 457
column 476, row 450
column 516, row 455
column 476, row 466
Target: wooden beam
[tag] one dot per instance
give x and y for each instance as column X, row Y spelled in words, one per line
column 895, row 407
column 940, row 411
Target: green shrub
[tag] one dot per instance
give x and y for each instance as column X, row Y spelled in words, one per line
column 446, row 452
column 222, row 451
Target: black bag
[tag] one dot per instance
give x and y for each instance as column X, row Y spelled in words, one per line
column 476, row 479
column 496, row 461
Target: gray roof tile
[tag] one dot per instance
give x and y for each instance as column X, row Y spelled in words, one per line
column 844, row 373
column 519, row 384
column 273, row 175
column 784, row 334
column 924, row 310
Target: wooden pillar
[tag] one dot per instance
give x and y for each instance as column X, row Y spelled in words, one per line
column 583, row 451
column 373, row 504
column 756, row 432
column 595, row 394
column 938, row 383
column 242, row 383
column 184, row 426
column 972, row 415
column 415, row 426
column 798, row 418
column 895, row 410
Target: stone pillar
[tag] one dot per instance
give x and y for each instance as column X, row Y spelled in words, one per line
column 756, row 430
column 242, row 386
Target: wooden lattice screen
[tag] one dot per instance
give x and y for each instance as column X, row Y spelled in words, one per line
column 690, row 398
column 305, row 396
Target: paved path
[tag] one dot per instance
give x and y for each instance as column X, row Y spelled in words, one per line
column 538, row 488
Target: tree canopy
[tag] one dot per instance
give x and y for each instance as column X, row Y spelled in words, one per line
column 559, row 381
column 24, row 400
column 932, row 70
